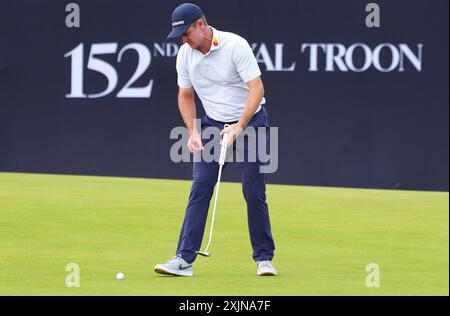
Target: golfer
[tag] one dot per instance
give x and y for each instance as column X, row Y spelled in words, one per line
column 221, row 68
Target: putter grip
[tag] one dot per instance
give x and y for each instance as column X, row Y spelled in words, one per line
column 223, row 150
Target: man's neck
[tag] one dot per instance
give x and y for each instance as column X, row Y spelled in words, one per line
column 206, row 46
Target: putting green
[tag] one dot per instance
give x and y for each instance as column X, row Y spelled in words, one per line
column 325, row 238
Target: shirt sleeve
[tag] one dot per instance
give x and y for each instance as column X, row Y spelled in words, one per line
column 184, row 80
column 245, row 61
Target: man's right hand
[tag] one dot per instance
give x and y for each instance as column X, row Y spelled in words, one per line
column 195, row 143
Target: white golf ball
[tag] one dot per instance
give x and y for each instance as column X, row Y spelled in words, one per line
column 120, row 276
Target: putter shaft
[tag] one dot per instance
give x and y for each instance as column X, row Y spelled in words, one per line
column 223, row 151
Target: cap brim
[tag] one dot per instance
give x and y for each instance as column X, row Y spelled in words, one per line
column 177, row 32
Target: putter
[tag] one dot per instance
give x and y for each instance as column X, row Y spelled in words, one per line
column 223, row 153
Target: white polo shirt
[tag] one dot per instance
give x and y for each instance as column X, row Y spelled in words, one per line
column 219, row 77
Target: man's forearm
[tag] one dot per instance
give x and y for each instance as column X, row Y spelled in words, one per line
column 188, row 112
column 253, row 102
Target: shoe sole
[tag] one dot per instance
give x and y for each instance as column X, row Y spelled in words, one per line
column 161, row 270
column 267, row 273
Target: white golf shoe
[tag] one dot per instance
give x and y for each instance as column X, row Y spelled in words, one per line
column 177, row 266
column 265, row 268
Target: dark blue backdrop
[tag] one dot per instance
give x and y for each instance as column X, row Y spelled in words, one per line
column 337, row 128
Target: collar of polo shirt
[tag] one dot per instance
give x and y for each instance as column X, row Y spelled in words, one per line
column 215, row 44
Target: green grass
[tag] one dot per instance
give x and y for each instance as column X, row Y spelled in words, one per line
column 325, row 237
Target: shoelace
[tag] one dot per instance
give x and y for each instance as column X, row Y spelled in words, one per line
column 265, row 264
column 176, row 258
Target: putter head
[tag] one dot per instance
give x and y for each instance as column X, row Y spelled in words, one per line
column 204, row 254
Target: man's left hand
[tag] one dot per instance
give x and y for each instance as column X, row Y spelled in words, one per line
column 233, row 132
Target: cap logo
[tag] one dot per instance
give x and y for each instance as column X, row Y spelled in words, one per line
column 178, row 23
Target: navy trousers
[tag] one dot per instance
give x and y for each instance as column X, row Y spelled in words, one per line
column 254, row 189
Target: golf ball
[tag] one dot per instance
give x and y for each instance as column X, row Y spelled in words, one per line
column 120, row 276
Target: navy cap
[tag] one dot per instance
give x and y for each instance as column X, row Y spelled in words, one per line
column 183, row 17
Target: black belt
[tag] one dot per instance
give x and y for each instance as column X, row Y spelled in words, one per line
column 231, row 123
